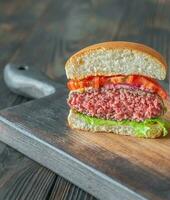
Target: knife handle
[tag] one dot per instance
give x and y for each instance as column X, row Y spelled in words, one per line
column 29, row 82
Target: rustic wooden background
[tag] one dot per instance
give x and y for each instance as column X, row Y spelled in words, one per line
column 44, row 34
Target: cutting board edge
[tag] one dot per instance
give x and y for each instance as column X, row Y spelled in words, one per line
column 92, row 181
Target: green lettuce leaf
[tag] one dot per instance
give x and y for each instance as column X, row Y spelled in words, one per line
column 142, row 129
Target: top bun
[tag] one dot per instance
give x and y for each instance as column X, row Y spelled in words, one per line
column 113, row 58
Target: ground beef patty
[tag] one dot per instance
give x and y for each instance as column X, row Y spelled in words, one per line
column 117, row 103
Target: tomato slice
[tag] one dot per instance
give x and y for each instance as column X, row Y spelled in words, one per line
column 147, row 83
column 135, row 80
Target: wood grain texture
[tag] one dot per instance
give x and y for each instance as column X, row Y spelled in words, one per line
column 53, row 30
column 64, row 190
column 16, row 171
column 127, row 167
column 17, row 21
column 30, row 182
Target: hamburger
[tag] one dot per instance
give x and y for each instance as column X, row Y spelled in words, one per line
column 113, row 88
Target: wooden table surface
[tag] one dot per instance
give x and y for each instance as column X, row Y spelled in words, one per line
column 55, row 29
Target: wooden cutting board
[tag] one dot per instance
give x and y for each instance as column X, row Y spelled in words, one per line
column 111, row 167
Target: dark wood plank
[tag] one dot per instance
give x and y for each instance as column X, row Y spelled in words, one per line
column 64, row 190
column 30, row 181
column 116, row 167
column 16, row 171
column 17, row 19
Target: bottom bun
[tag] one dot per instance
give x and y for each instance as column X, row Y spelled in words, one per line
column 76, row 122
